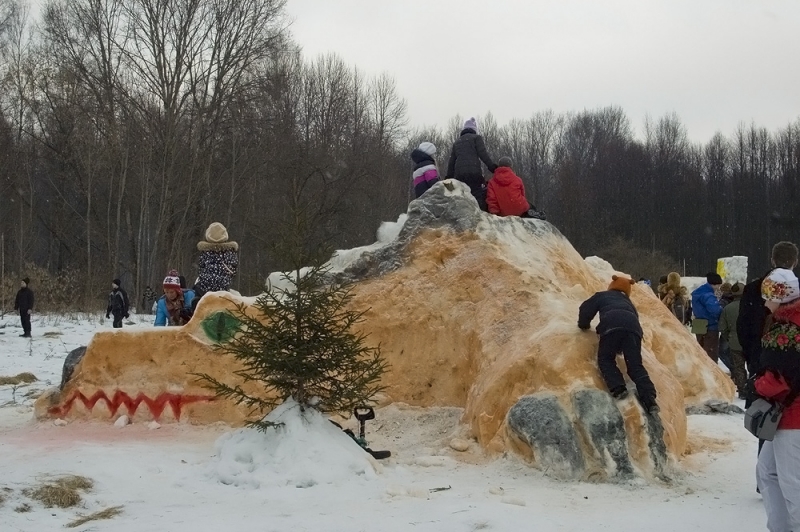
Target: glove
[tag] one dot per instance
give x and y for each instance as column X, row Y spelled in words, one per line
column 108, row 317
column 127, row 316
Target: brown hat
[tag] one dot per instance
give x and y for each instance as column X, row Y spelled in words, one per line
column 737, row 289
column 725, row 288
column 623, row 284
column 216, row 233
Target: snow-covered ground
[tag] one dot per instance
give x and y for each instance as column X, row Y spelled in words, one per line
column 169, row 479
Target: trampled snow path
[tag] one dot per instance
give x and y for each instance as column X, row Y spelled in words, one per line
column 165, row 478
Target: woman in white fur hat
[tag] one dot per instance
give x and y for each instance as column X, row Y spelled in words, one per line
column 218, row 262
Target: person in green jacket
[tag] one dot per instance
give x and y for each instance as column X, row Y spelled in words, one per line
column 727, row 331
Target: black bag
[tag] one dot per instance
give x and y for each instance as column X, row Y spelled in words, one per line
column 762, row 417
column 679, row 309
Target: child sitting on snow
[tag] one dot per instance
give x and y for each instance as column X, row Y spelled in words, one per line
column 505, row 193
column 619, row 331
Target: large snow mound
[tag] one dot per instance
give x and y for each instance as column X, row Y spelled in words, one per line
column 304, row 451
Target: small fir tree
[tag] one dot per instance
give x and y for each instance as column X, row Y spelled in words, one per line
column 299, row 342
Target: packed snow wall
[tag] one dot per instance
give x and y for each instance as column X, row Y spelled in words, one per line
column 470, row 310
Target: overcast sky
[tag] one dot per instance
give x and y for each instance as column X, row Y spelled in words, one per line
column 714, row 62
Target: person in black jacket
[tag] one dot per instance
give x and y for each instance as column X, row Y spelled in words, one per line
column 465, row 162
column 117, row 303
column 750, row 323
column 24, row 304
column 619, row 331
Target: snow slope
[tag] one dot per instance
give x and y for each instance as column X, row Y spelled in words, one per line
column 168, row 479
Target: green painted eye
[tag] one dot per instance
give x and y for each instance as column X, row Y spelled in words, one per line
column 221, row 326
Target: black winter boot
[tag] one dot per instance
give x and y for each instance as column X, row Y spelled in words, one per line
column 619, row 393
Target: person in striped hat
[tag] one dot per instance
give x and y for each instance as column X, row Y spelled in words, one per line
column 174, row 307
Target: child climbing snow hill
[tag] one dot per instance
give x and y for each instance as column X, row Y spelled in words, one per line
column 620, row 332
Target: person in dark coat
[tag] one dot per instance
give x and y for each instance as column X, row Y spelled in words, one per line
column 425, row 174
column 24, row 304
column 118, row 304
column 750, row 324
column 219, row 260
column 465, row 161
column 728, row 336
column 619, row 331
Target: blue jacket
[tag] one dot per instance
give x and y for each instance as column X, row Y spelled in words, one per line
column 705, row 305
column 161, row 307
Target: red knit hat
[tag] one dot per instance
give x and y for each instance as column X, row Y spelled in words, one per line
column 623, row 284
column 172, row 280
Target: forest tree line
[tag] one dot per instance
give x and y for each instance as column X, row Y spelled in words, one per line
column 127, row 126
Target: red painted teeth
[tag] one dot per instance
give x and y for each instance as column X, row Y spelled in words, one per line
column 120, row 398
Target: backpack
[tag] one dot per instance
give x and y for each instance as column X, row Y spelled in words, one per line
column 679, row 308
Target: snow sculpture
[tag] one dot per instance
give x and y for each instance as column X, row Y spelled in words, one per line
column 470, row 310
column 478, row 311
column 733, row 269
column 150, row 374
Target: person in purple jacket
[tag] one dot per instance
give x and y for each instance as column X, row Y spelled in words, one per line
column 425, row 173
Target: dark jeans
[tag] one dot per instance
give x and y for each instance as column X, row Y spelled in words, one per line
column 118, row 320
column 724, row 354
column 710, row 343
column 477, row 185
column 25, row 318
column 630, row 345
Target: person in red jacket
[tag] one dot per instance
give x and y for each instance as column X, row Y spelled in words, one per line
column 505, row 193
column 778, row 469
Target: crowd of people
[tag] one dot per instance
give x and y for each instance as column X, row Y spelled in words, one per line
column 754, row 329
column 217, row 264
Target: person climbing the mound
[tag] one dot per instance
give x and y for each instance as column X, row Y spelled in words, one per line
column 620, row 332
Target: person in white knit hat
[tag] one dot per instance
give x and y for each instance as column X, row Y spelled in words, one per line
column 425, row 173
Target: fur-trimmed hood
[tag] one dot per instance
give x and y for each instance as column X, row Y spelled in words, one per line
column 674, row 284
column 222, row 246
